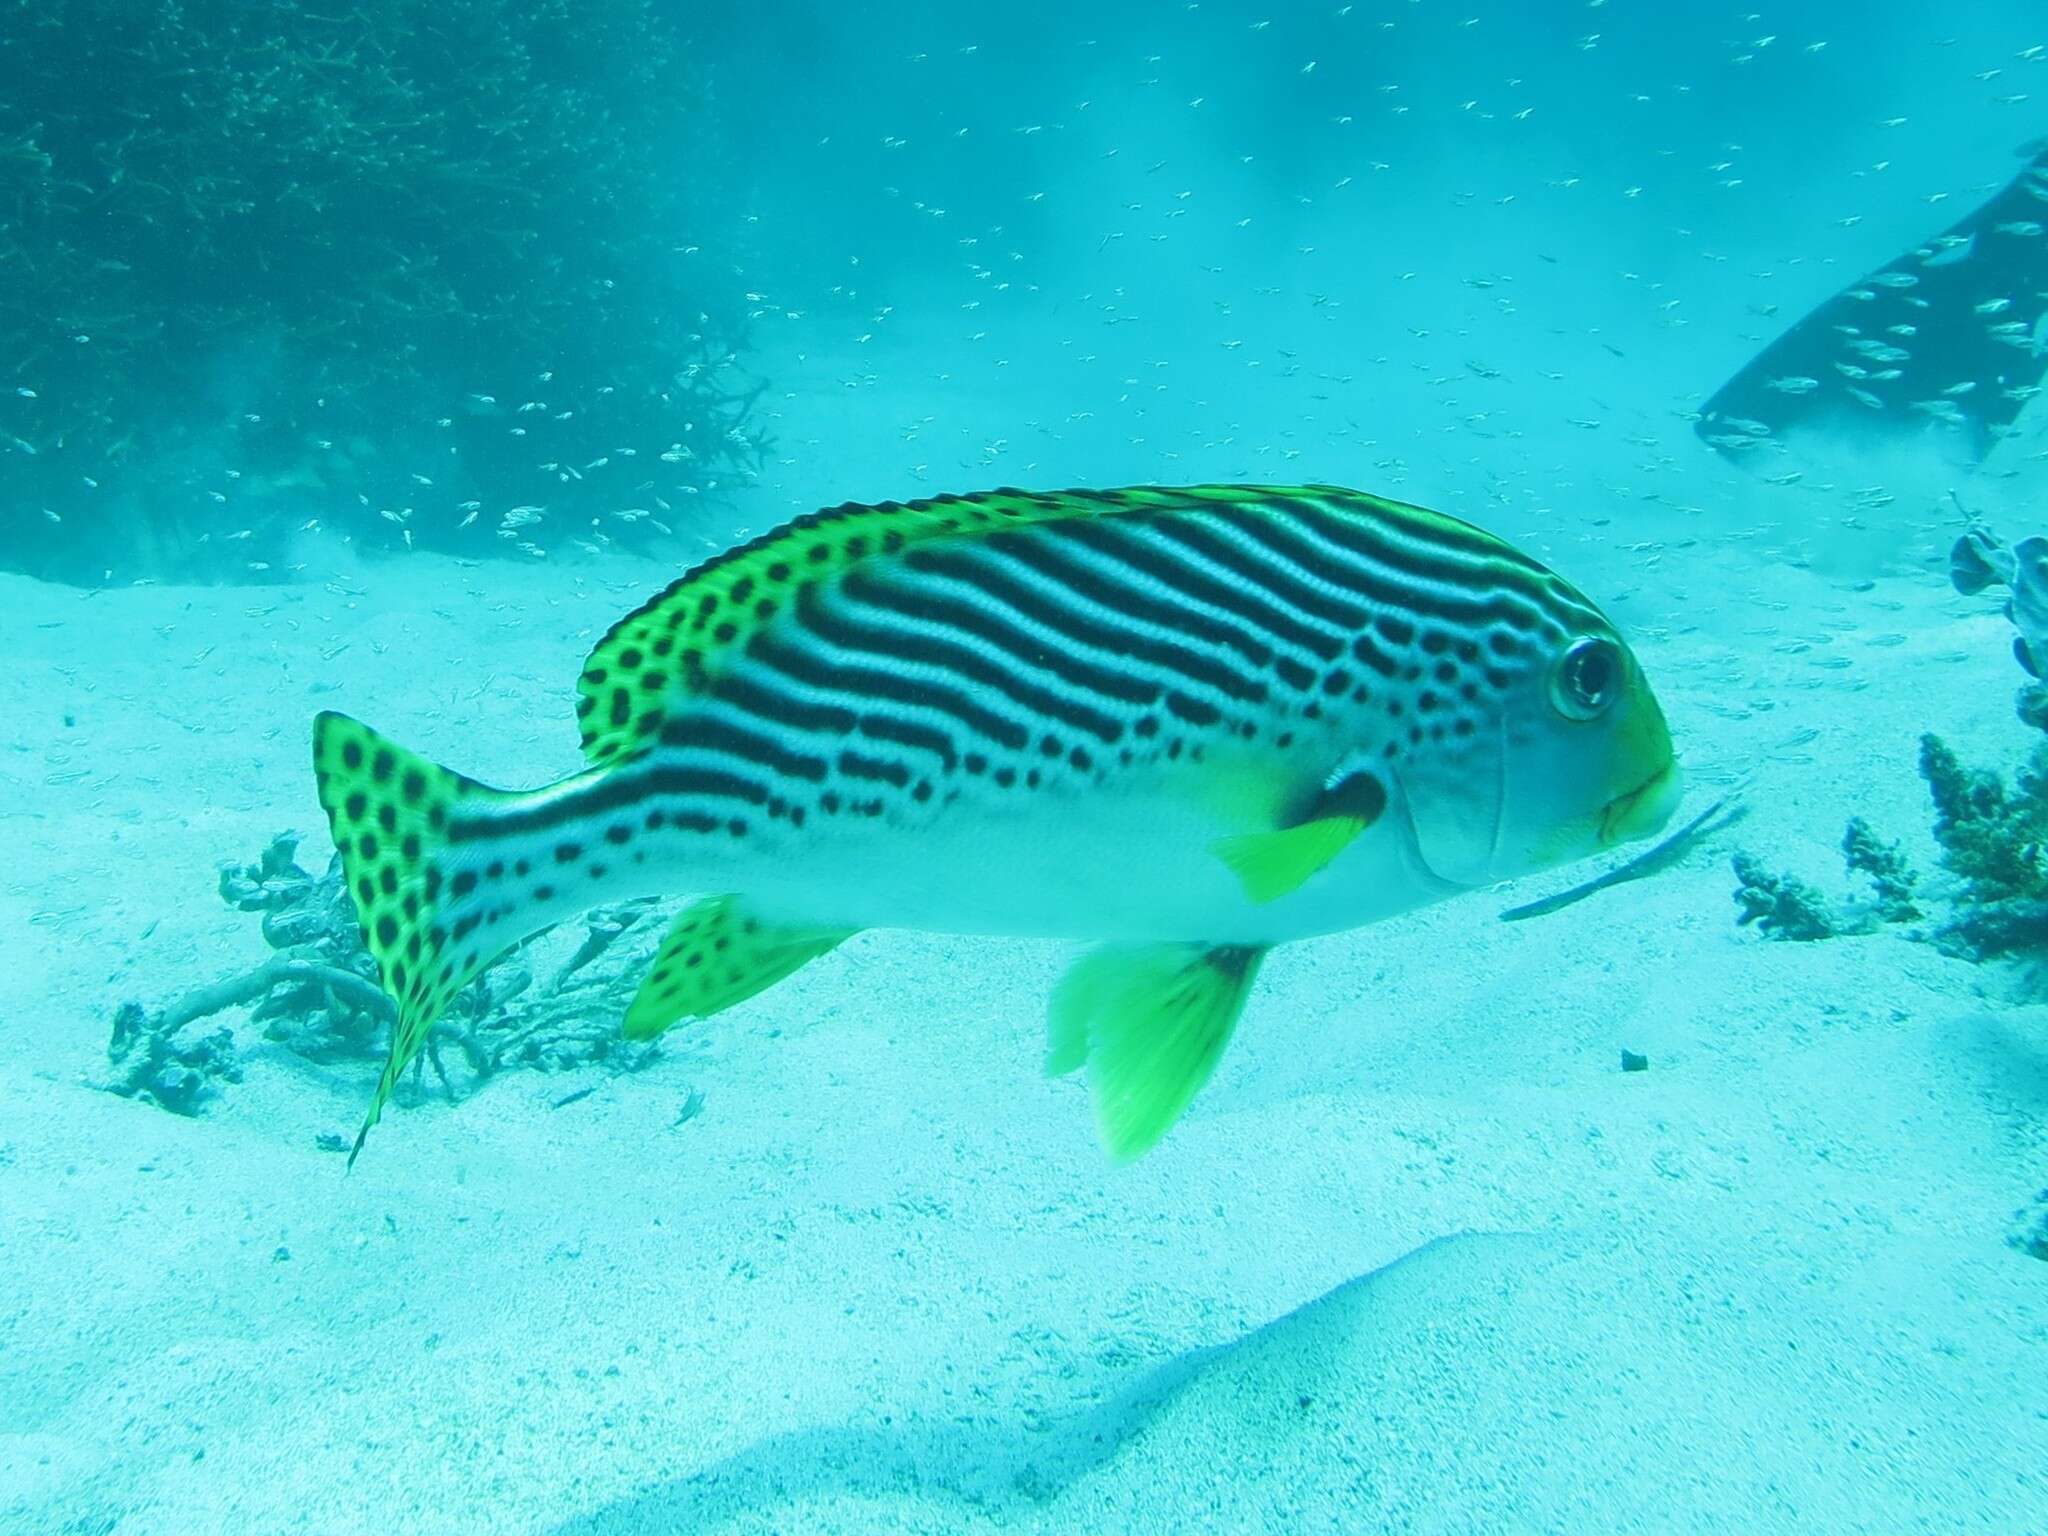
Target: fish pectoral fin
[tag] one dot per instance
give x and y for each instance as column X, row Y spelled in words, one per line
column 1150, row 1022
column 716, row 954
column 1271, row 864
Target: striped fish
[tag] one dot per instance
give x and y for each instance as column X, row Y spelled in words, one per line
column 1186, row 724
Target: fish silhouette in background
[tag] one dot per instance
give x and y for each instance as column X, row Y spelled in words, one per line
column 1944, row 344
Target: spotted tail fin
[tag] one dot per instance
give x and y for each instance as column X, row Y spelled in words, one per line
column 391, row 812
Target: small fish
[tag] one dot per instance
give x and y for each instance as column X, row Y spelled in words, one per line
column 1794, row 384
column 1186, row 724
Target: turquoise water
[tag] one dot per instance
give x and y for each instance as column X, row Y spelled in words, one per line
column 381, row 363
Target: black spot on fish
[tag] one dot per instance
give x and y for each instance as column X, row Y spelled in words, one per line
column 387, row 931
column 618, row 834
column 463, row 883
column 351, row 755
column 413, row 786
column 568, row 853
column 383, row 765
column 1293, row 673
column 356, row 805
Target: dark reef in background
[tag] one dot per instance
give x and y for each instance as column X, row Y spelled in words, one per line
column 1943, row 341
column 267, row 262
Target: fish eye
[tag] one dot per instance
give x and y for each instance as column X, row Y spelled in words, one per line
column 1587, row 678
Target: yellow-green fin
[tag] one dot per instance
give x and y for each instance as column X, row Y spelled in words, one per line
column 716, row 954
column 1150, row 1022
column 1271, row 864
column 675, row 645
column 390, row 811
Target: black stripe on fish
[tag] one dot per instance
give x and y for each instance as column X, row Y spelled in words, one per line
column 700, row 729
column 1114, row 591
column 989, row 572
column 632, row 787
column 930, row 604
column 845, row 632
column 863, row 684
column 1384, row 588
column 1194, row 585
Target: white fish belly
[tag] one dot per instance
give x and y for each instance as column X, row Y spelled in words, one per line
column 1105, row 870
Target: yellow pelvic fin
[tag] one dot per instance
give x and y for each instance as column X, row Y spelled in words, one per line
column 1271, row 864
column 719, row 953
column 1150, row 1022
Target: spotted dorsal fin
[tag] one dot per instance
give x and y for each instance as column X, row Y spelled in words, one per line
column 677, row 644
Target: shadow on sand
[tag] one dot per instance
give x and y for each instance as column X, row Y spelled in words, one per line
column 962, row 1478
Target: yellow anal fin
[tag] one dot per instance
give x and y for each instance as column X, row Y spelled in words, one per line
column 1269, row 865
column 719, row 953
column 1150, row 1022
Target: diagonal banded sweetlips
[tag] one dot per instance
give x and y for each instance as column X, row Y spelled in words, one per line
column 1186, row 724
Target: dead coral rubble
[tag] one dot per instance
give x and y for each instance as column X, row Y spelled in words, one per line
column 1785, row 907
column 317, row 997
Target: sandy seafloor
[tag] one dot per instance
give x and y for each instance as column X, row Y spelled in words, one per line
column 1422, row 1257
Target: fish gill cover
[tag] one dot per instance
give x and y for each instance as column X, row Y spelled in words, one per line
column 417, row 275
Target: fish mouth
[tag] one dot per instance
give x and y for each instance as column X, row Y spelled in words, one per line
column 1643, row 809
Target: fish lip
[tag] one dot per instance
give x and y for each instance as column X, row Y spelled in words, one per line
column 1644, row 809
